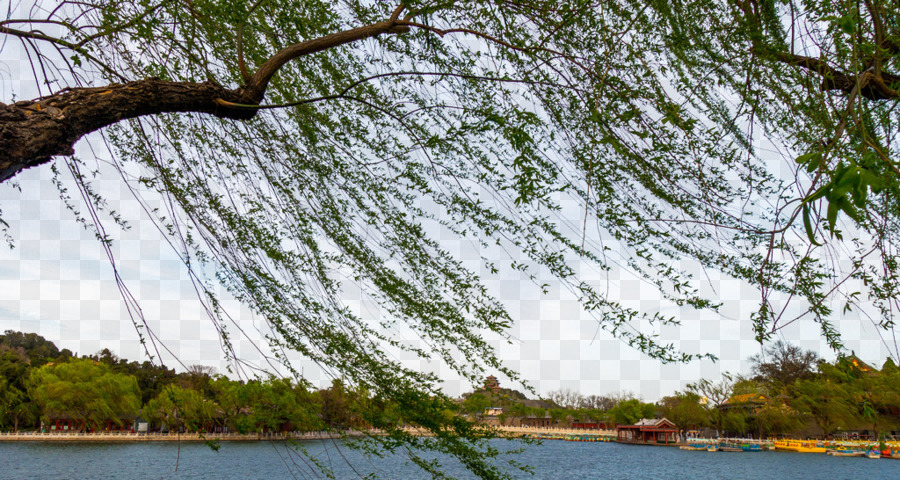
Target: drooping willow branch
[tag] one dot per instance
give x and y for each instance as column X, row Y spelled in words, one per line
column 32, row 132
column 343, row 93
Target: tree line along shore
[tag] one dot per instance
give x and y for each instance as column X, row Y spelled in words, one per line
column 789, row 393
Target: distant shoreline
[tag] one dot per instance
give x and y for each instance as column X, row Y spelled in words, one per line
column 239, row 437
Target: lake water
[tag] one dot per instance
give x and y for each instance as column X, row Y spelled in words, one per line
column 551, row 460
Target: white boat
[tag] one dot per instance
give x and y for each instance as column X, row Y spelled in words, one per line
column 846, row 453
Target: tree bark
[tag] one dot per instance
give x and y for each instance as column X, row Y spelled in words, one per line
column 874, row 84
column 33, row 132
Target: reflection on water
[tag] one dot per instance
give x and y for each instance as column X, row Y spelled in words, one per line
column 552, row 460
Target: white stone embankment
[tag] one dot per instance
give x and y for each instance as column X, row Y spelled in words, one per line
column 194, row 437
column 160, row 437
column 556, row 431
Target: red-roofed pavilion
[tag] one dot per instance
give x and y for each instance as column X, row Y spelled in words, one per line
column 658, row 431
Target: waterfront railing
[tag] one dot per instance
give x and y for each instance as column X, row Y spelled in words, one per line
column 174, row 436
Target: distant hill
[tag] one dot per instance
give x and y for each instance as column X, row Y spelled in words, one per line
column 505, row 397
column 35, row 348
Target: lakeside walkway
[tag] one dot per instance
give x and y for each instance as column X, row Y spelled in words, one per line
column 564, row 434
column 557, row 431
column 239, row 437
column 163, row 437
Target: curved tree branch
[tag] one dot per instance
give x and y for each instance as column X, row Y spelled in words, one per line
column 873, row 86
column 32, row 132
column 259, row 81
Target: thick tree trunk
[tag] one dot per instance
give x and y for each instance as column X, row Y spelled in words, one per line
column 33, row 132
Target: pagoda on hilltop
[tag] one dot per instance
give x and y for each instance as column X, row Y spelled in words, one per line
column 491, row 383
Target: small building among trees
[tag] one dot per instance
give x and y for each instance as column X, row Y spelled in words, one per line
column 749, row 403
column 535, row 421
column 649, row 432
column 493, row 411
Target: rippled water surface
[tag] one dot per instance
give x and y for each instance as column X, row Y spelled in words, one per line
column 551, row 460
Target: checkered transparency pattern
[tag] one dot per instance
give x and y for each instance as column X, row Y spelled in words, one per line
column 58, row 282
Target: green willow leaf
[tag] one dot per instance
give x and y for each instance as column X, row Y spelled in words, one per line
column 807, row 224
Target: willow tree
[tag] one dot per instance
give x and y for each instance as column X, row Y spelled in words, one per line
column 302, row 146
column 86, row 392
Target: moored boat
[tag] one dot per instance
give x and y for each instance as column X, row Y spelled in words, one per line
column 873, row 452
column 802, row 446
column 694, row 447
column 839, row 452
column 786, row 445
column 740, row 447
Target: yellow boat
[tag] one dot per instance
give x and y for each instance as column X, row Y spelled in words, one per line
column 802, row 446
